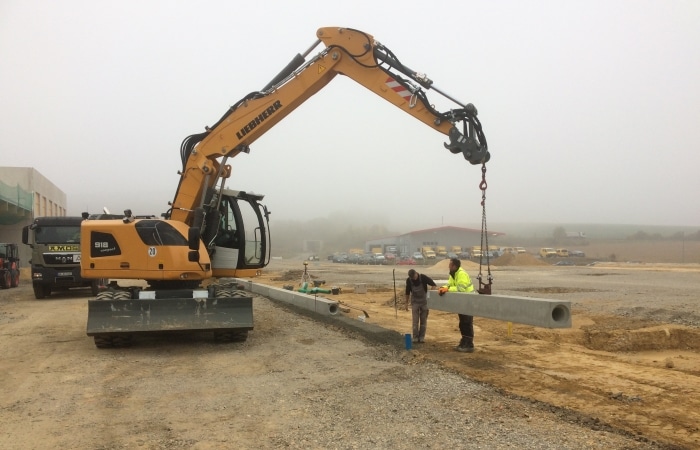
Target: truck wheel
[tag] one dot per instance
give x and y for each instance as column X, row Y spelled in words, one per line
column 38, row 292
column 41, row 291
column 15, row 278
column 5, row 279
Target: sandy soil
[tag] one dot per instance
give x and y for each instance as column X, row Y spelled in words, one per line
column 631, row 358
column 626, row 375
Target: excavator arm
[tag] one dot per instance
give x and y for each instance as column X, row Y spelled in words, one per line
column 348, row 52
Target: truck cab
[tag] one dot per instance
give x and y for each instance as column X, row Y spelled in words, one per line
column 55, row 244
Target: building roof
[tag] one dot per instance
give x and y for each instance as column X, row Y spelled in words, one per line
column 451, row 228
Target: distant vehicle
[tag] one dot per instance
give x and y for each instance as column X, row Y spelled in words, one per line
column 341, row 258
column 418, row 256
column 577, row 253
column 313, row 258
column 406, row 261
column 366, row 258
column 379, row 258
column 562, row 252
column 464, row 255
column 546, row 252
column 428, row 253
column 451, row 255
column 520, row 249
column 390, row 258
column 510, row 250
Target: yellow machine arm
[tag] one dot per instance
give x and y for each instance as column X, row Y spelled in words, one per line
column 348, row 52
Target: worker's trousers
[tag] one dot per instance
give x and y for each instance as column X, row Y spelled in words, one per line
column 466, row 328
column 420, row 319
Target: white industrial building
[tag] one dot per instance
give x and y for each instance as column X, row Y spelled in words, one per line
column 24, row 194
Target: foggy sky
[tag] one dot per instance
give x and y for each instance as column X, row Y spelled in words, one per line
column 591, row 109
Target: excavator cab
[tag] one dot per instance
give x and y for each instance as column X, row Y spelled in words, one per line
column 240, row 244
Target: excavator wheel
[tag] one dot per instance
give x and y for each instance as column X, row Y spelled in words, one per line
column 231, row 336
column 95, row 285
column 111, row 340
column 229, row 291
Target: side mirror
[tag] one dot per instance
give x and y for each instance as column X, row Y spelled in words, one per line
column 194, row 237
column 25, row 235
column 193, row 256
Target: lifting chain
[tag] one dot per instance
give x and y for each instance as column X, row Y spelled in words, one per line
column 484, row 288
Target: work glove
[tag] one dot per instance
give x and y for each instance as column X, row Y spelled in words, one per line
column 442, row 290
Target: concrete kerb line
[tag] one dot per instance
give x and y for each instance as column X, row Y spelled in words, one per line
column 325, row 311
column 545, row 313
column 311, row 302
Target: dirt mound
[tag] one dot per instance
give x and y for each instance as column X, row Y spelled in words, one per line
column 443, row 266
column 521, row 259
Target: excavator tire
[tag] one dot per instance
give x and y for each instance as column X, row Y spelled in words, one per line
column 96, row 284
column 229, row 291
column 113, row 340
column 230, row 336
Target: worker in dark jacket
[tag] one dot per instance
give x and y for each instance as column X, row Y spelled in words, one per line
column 460, row 281
column 417, row 286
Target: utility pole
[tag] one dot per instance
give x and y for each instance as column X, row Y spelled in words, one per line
column 683, row 247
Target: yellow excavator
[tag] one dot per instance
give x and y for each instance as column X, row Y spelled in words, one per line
column 213, row 232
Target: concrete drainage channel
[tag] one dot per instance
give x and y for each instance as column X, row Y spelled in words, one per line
column 545, row 313
column 320, row 308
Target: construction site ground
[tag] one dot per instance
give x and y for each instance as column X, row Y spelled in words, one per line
column 631, row 357
column 626, row 375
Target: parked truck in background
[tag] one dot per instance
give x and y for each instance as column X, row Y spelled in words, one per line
column 9, row 266
column 55, row 263
column 428, row 252
column 441, row 251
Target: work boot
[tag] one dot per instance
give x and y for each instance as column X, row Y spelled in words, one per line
column 465, row 346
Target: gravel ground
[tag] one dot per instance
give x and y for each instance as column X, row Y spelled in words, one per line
column 298, row 382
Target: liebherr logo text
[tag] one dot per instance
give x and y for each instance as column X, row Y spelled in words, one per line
column 258, row 120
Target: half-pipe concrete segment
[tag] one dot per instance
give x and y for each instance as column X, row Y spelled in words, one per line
column 538, row 312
